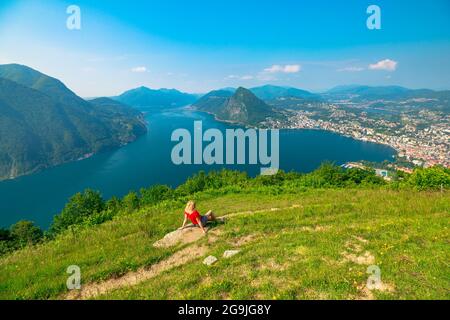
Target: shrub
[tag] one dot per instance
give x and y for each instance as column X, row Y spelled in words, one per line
column 79, row 207
column 430, row 178
column 328, row 174
column 99, row 217
column 131, row 201
column 25, row 233
column 156, row 194
column 114, row 204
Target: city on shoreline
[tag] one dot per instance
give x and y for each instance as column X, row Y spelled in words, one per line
column 421, row 138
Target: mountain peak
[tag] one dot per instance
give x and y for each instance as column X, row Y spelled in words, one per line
column 246, row 96
column 241, row 107
column 243, row 91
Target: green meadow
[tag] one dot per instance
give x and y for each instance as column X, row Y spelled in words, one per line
column 294, row 243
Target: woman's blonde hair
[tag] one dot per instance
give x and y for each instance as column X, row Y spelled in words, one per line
column 190, row 206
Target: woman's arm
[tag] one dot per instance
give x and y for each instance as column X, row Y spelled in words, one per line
column 184, row 222
column 201, row 225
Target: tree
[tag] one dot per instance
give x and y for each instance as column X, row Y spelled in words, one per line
column 25, row 232
column 114, row 204
column 79, row 207
column 430, row 178
column 194, row 184
column 131, row 201
column 328, row 174
column 5, row 234
column 155, row 194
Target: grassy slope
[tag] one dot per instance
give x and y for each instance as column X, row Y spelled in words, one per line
column 287, row 257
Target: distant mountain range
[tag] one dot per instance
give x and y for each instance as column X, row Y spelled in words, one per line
column 252, row 106
column 274, row 95
column 357, row 93
column 242, row 106
column 144, row 97
column 43, row 123
column 270, row 92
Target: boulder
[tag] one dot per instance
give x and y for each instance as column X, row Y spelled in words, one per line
column 187, row 235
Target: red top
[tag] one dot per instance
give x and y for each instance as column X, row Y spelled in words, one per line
column 193, row 216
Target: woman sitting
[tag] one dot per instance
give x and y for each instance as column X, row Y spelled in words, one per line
column 197, row 220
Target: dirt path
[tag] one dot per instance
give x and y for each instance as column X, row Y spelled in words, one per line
column 179, row 258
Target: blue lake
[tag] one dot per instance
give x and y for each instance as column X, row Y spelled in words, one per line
column 147, row 161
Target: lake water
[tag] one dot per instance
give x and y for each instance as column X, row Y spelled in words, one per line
column 147, row 161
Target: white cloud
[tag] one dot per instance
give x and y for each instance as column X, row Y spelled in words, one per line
column 351, row 69
column 387, row 64
column 289, row 68
column 139, row 69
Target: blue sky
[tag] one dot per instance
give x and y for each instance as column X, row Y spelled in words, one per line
column 200, row 45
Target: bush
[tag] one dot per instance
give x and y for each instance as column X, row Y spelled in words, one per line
column 212, row 180
column 99, row 217
column 328, row 174
column 156, row 194
column 193, row 185
column 275, row 180
column 6, row 241
column 25, row 233
column 79, row 207
column 131, row 201
column 114, row 204
column 432, row 178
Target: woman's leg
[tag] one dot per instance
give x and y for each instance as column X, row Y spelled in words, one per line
column 211, row 216
column 204, row 220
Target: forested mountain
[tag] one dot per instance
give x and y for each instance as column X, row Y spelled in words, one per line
column 241, row 107
column 43, row 123
column 213, row 101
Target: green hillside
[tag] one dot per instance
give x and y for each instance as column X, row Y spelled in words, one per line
column 307, row 236
column 43, row 123
column 242, row 107
column 213, row 101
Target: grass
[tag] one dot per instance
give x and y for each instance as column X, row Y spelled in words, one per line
column 294, row 253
